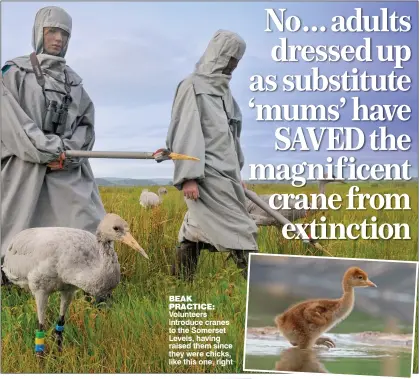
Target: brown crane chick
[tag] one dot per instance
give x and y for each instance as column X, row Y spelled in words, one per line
column 303, row 323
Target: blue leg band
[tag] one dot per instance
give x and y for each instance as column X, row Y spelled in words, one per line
column 39, row 348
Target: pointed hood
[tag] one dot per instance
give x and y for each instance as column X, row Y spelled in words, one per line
column 50, row 17
column 208, row 75
column 52, row 65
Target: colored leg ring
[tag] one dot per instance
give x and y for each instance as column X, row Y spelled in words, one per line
column 39, row 348
column 39, row 341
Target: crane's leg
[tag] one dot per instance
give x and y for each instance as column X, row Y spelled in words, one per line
column 41, row 299
column 66, row 297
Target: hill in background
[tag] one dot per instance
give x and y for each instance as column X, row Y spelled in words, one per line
column 122, row 182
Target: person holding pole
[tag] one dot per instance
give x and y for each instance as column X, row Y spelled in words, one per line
column 46, row 111
column 206, row 123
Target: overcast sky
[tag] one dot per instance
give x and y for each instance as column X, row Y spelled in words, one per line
column 131, row 57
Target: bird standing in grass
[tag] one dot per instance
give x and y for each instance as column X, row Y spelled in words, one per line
column 50, row 259
column 303, row 324
column 150, row 199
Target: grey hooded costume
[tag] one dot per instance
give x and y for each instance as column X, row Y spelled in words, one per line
column 33, row 196
column 206, row 123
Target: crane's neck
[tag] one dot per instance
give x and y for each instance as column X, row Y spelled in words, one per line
column 102, row 274
column 107, row 252
column 322, row 187
column 106, row 274
column 322, row 191
column 348, row 297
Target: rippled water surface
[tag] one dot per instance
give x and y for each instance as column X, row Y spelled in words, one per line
column 352, row 355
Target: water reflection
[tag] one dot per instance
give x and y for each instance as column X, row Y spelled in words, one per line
column 299, row 360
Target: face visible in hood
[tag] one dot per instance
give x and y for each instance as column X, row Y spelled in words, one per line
column 222, row 54
column 51, row 31
column 55, row 40
column 231, row 65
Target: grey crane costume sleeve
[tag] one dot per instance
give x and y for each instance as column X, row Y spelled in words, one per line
column 206, row 122
column 83, row 137
column 20, row 134
column 238, row 130
column 33, row 196
column 186, row 136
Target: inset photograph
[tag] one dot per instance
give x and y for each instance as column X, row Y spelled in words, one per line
column 330, row 315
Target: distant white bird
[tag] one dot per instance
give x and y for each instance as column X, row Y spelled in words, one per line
column 150, row 199
column 50, row 259
column 162, row 191
column 264, row 219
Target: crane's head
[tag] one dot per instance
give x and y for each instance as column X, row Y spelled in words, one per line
column 357, row 277
column 115, row 228
column 326, row 179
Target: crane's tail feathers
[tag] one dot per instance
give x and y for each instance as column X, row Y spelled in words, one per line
column 6, row 277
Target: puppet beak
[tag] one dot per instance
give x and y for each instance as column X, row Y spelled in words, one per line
column 182, row 157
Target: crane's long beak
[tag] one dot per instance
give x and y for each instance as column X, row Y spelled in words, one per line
column 182, row 157
column 371, row 284
column 129, row 240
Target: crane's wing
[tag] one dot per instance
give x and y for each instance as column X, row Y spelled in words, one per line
column 47, row 246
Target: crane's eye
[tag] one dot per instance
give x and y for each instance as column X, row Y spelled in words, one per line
column 360, row 277
column 116, row 228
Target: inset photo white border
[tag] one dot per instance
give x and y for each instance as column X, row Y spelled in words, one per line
column 355, row 260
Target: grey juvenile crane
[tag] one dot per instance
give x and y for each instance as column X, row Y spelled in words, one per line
column 150, row 199
column 50, row 259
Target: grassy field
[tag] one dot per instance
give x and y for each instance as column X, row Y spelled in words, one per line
column 131, row 334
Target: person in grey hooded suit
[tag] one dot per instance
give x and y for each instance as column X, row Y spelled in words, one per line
column 206, row 123
column 40, row 186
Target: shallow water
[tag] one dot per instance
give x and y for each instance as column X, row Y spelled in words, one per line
column 352, row 355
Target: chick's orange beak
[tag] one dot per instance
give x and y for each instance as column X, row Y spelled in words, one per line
column 371, row 284
column 182, row 157
column 129, row 240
